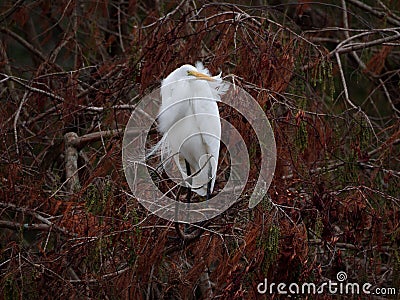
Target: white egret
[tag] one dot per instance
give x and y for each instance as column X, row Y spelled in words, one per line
column 190, row 125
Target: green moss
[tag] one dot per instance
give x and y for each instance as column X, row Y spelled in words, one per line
column 270, row 244
column 301, row 138
column 350, row 169
column 266, row 204
column 319, row 226
column 95, row 201
column 136, row 221
column 393, row 187
column 10, row 289
column 363, row 133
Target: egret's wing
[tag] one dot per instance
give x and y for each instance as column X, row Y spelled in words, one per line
column 183, row 142
column 206, row 114
column 196, row 138
column 174, row 104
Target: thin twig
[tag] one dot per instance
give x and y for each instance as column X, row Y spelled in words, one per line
column 30, row 88
column 376, row 13
column 11, row 10
column 24, row 99
column 360, row 46
column 121, row 42
column 342, row 77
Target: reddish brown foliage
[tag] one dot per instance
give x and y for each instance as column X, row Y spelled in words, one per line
column 76, row 66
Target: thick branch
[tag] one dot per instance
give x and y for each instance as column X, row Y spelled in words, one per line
column 45, row 226
column 81, row 141
column 19, row 226
column 71, row 162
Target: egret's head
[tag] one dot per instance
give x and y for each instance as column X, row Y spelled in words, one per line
column 189, row 70
column 199, row 75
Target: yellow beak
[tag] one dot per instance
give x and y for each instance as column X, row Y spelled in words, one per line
column 200, row 75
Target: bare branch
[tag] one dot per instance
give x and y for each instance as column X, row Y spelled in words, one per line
column 23, row 42
column 11, row 10
column 342, row 77
column 81, row 141
column 24, row 98
column 29, row 87
column 19, row 226
column 37, row 215
column 359, row 46
column 375, row 12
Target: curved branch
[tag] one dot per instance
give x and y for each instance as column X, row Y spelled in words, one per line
column 188, row 237
column 10, row 11
column 23, row 42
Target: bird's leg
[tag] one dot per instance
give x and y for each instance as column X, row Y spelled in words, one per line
column 176, row 202
column 209, row 184
column 189, row 190
column 208, row 190
column 188, row 172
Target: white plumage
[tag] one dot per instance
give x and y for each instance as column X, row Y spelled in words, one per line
column 190, row 124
